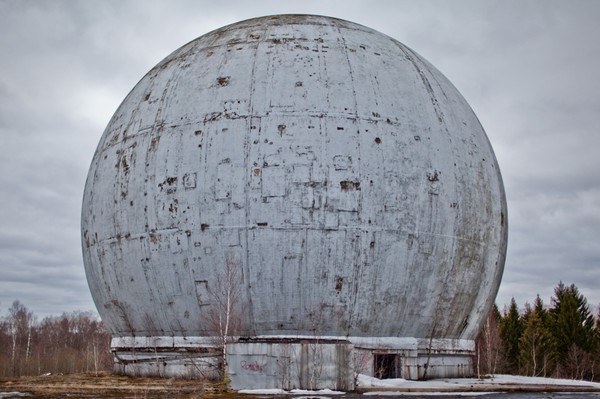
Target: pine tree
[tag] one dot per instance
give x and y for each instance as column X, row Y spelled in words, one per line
column 535, row 345
column 596, row 364
column 573, row 332
column 510, row 330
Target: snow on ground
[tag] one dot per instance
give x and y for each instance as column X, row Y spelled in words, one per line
column 456, row 384
column 263, row 391
column 523, row 380
column 322, row 392
column 451, row 386
column 325, row 392
column 426, row 393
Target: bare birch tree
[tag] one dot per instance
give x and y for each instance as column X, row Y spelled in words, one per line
column 20, row 321
column 315, row 348
column 224, row 314
column 489, row 355
column 71, row 343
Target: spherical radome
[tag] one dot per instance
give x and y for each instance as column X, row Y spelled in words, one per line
column 345, row 177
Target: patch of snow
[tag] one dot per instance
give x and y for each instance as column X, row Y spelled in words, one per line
column 365, row 381
column 411, row 393
column 9, row 395
column 262, row 391
column 308, row 393
column 368, row 381
column 442, row 386
column 311, row 393
column 519, row 379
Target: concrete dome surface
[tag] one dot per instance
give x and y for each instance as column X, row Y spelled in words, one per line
column 346, row 179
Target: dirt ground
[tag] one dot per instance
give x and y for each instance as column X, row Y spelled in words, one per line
column 106, row 385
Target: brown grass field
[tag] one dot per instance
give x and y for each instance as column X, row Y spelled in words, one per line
column 106, row 385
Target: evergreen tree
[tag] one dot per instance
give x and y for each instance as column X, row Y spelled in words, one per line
column 573, row 332
column 596, row 364
column 535, row 345
column 573, row 321
column 510, row 331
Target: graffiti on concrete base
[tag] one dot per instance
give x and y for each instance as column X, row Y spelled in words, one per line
column 254, row 366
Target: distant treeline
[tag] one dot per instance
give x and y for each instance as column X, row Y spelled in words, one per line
column 72, row 343
column 559, row 341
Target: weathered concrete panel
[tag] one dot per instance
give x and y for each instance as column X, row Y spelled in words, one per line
column 291, row 364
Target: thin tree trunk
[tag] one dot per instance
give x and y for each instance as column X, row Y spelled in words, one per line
column 14, row 352
column 28, row 345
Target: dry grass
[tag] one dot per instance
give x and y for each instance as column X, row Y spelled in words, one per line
column 106, row 385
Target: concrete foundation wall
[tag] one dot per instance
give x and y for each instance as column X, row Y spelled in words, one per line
column 168, row 364
column 291, row 362
column 417, row 358
column 304, row 364
column 166, row 357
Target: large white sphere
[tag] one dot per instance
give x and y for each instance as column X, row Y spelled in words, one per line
column 349, row 181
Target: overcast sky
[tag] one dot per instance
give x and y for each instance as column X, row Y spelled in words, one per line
column 529, row 69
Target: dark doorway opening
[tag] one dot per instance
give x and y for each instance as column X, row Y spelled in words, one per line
column 386, row 365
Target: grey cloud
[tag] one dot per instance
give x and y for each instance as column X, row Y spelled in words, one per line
column 529, row 70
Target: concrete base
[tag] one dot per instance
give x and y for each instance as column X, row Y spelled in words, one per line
column 166, row 357
column 291, row 362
